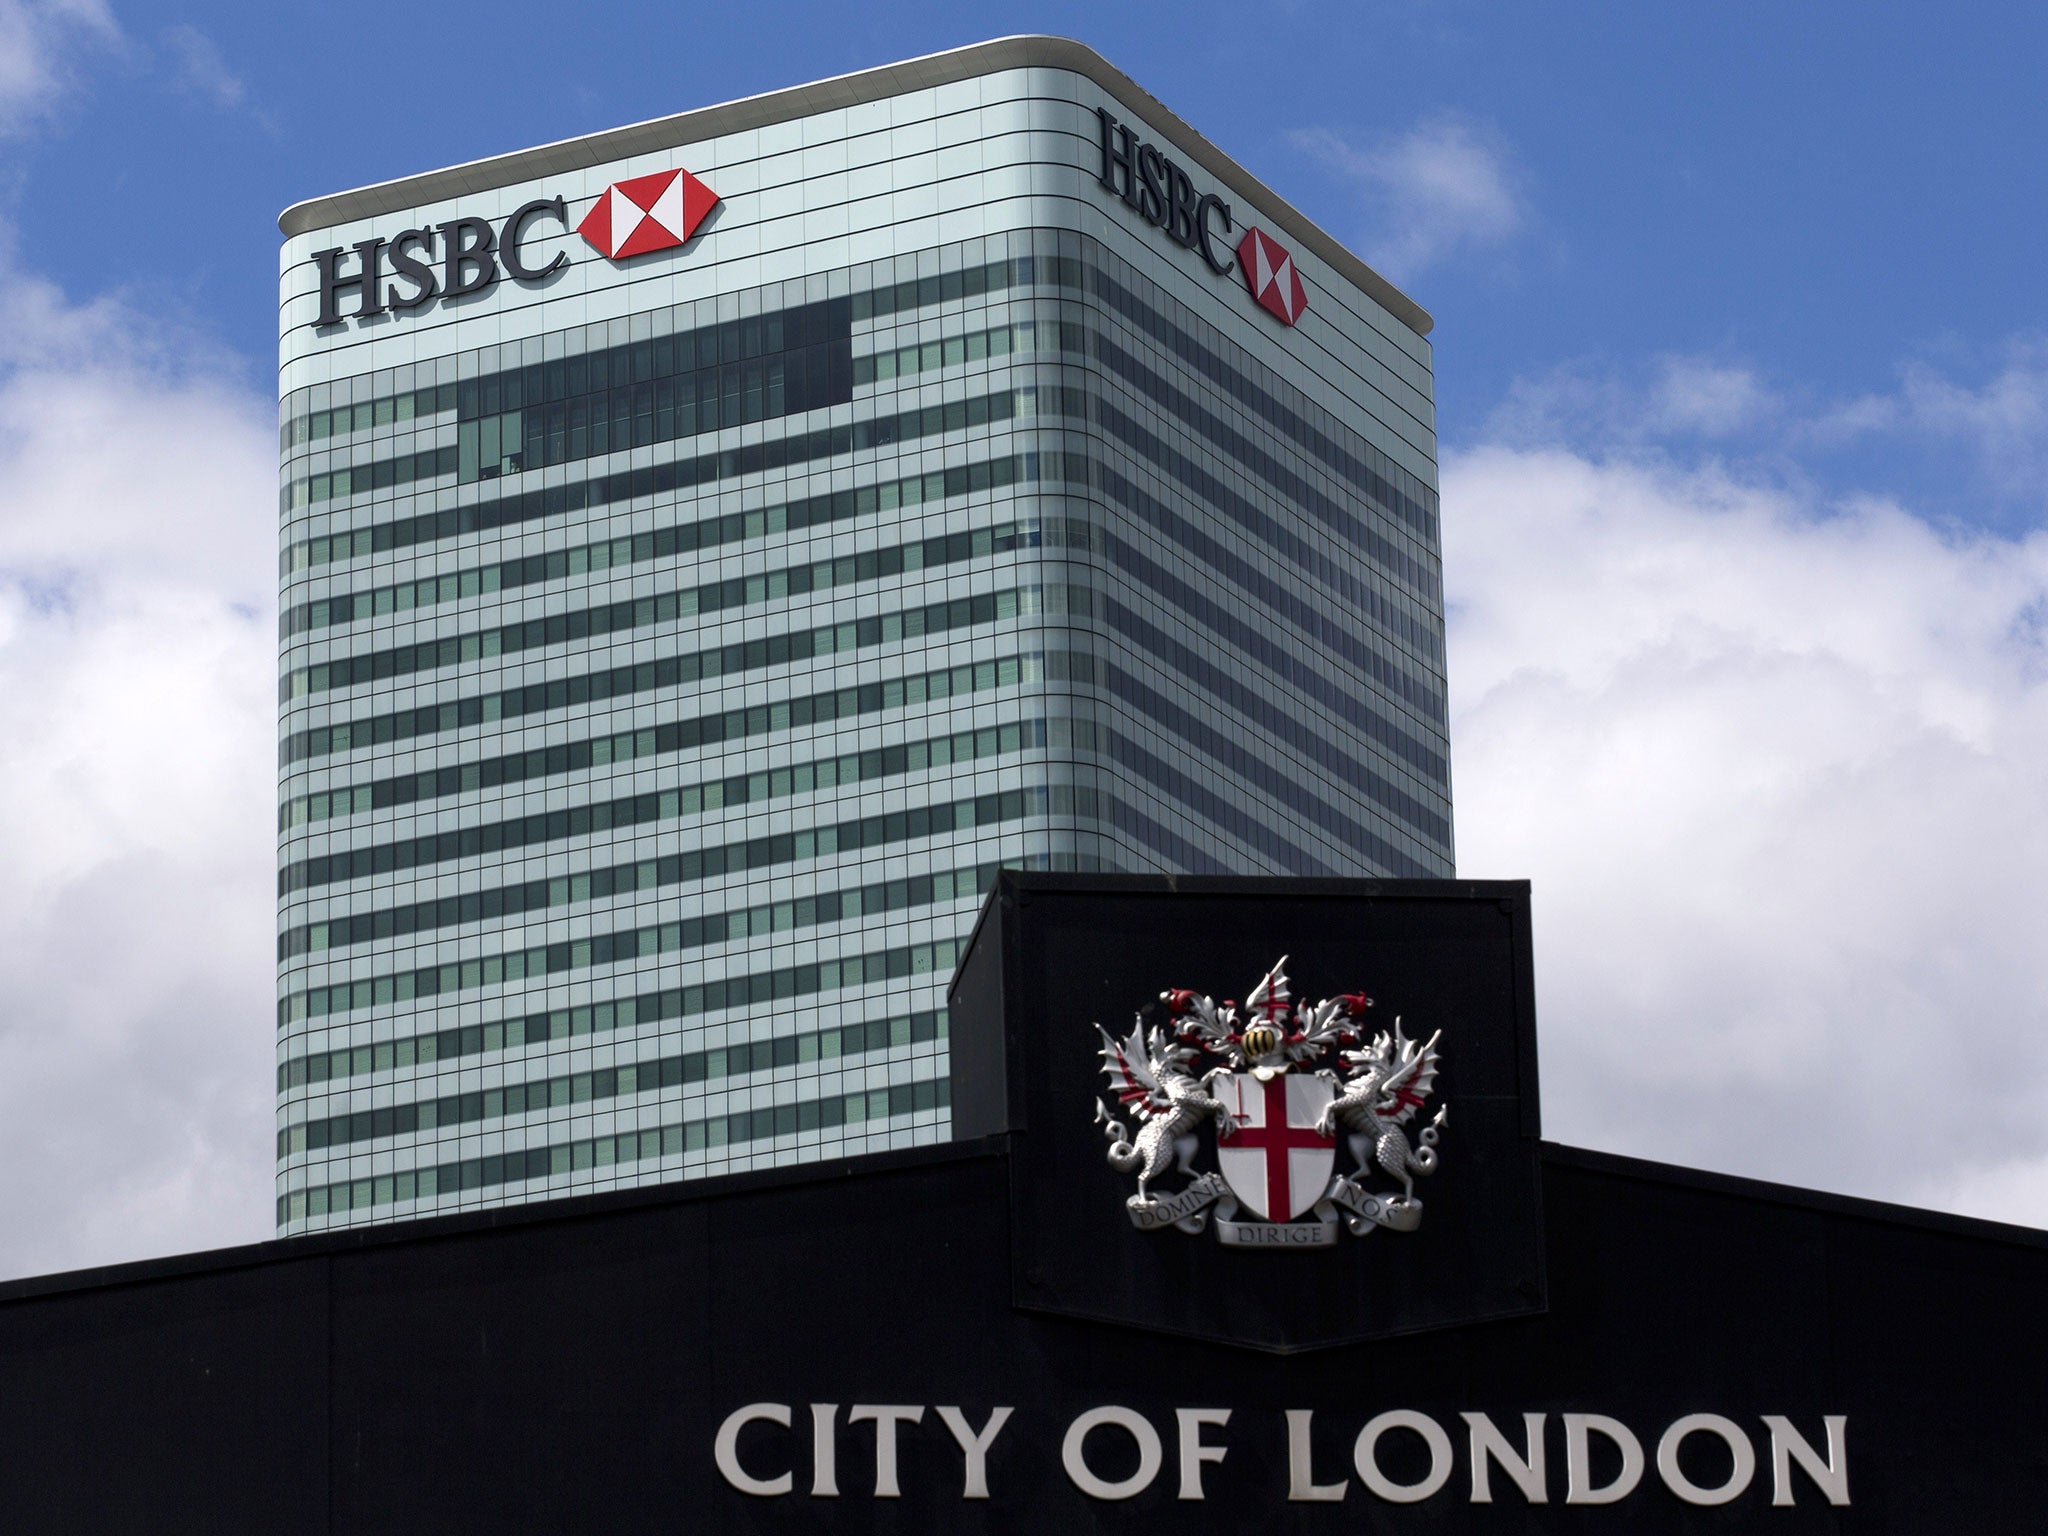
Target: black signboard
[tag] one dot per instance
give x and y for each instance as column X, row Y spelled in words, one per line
column 1056, row 956
column 850, row 1346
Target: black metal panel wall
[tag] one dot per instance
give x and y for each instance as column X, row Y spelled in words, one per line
column 823, row 1349
column 569, row 1369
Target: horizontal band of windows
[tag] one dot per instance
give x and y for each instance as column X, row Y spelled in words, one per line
column 655, row 806
column 1421, row 680
column 695, row 734
column 1258, row 768
column 387, row 474
column 1231, row 816
column 580, row 371
column 851, row 835
column 1194, row 476
column 1230, row 686
column 1076, row 403
column 769, row 652
column 865, row 1107
column 411, row 1052
column 539, row 1028
column 735, row 342
column 690, row 735
column 943, row 288
column 632, row 944
column 838, row 705
column 1387, row 671
column 945, row 352
column 365, row 415
column 739, row 856
column 728, row 660
column 671, row 474
column 648, row 873
column 655, row 544
column 408, row 1052
column 1177, row 854
column 711, row 597
column 684, row 1069
column 1423, row 636
column 490, row 838
column 628, row 396
column 1361, row 464
column 776, row 985
column 454, row 650
column 655, row 390
column 804, row 645
column 1383, row 669
column 665, row 410
column 628, row 944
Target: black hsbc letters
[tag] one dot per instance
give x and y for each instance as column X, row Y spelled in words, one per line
column 469, row 264
column 471, row 253
column 406, row 265
column 1163, row 194
column 515, row 231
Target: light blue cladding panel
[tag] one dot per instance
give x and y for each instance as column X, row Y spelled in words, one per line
column 658, row 692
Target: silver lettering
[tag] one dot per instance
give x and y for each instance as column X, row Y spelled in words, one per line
column 885, row 1417
column 725, row 1450
column 824, row 1451
column 1788, row 1446
column 1073, row 1453
column 974, row 1447
column 1364, row 1456
column 1488, row 1445
column 1578, row 1458
column 1739, row 1450
column 1302, row 1487
column 1193, row 1453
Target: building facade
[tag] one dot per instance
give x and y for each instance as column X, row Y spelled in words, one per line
column 710, row 549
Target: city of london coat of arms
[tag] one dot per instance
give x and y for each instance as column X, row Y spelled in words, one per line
column 1286, row 1087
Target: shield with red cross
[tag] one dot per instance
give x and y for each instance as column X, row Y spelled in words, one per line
column 1272, row 1158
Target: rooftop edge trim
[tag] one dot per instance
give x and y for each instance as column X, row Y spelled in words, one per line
column 1022, row 52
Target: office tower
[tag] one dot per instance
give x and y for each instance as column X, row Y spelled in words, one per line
column 711, row 547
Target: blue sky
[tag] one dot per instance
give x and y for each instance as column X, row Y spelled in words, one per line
column 1822, row 195
column 1743, row 394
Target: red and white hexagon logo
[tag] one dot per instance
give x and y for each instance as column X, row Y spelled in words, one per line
column 1269, row 273
column 648, row 213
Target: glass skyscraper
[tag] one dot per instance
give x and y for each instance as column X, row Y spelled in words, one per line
column 711, row 548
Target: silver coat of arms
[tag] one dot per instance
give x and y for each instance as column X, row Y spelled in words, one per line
column 1288, row 1088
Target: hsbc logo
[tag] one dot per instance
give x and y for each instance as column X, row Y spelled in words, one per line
column 1269, row 273
column 469, row 255
column 648, row 213
column 1163, row 193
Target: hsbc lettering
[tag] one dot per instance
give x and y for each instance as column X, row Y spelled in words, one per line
column 1195, row 1443
column 1163, row 194
column 446, row 261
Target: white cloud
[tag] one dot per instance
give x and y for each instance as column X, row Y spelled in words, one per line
column 1774, row 768
column 198, row 66
column 1444, row 184
column 2003, row 421
column 1676, row 396
column 38, row 40
column 1999, row 1189
column 137, row 722
column 1710, row 399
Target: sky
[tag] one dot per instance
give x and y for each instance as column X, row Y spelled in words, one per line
column 1742, row 370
